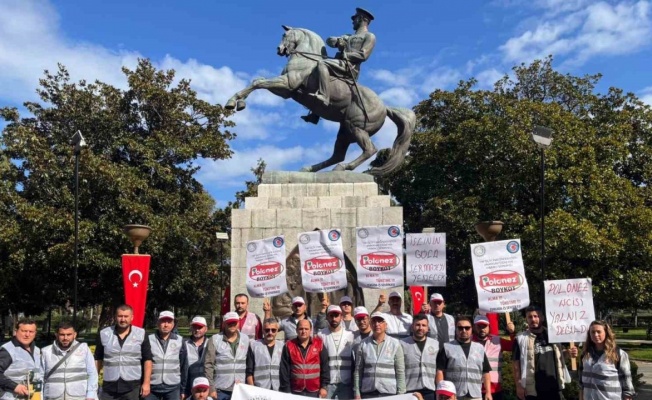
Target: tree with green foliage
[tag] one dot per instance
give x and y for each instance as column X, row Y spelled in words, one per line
column 474, row 160
column 139, row 167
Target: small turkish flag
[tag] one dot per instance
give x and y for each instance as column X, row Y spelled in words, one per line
column 135, row 278
column 226, row 304
column 418, row 296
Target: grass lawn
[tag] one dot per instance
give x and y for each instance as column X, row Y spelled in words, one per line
column 632, row 334
column 643, row 353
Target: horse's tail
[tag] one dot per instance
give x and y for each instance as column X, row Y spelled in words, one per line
column 405, row 121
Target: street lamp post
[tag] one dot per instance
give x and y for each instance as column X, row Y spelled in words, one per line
column 222, row 237
column 542, row 136
column 79, row 142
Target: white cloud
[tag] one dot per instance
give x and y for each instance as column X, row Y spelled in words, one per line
column 398, row 78
column 488, row 77
column 398, row 96
column 441, row 78
column 646, row 95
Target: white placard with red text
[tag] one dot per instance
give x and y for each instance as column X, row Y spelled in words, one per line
column 380, row 256
column 569, row 309
column 500, row 276
column 425, row 263
column 266, row 272
column 322, row 261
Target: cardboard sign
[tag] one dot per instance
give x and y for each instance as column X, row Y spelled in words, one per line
column 569, row 309
column 266, row 271
column 380, row 256
column 322, row 261
column 425, row 259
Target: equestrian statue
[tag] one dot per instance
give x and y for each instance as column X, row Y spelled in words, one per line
column 328, row 88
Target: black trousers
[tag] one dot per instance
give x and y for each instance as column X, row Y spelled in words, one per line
column 133, row 394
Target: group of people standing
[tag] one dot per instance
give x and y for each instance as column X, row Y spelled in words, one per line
column 344, row 353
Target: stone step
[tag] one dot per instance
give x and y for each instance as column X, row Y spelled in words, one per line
column 317, row 189
column 265, row 203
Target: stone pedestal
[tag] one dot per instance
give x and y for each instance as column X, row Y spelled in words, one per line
column 292, row 202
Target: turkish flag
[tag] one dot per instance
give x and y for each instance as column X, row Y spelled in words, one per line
column 226, row 304
column 135, row 278
column 418, row 296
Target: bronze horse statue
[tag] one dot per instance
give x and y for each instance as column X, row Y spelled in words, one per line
column 358, row 109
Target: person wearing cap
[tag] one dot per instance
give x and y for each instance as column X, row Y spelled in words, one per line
column 338, row 342
column 289, row 324
column 379, row 364
column 493, row 348
column 226, row 358
column 264, row 358
column 446, row 391
column 200, row 389
column 249, row 323
column 398, row 322
column 125, row 354
column 18, row 357
column 420, row 352
column 169, row 357
column 348, row 322
column 363, row 322
column 304, row 369
column 441, row 326
column 353, row 51
column 69, row 367
column 465, row 363
column 195, row 355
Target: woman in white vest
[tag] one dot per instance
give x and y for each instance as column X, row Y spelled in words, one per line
column 264, row 358
column 605, row 373
column 69, row 367
column 19, row 358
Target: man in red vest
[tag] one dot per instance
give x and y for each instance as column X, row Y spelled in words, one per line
column 304, row 367
column 493, row 348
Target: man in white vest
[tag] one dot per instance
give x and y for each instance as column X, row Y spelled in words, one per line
column 493, row 348
column 194, row 347
column 420, row 353
column 465, row 363
column 169, row 357
column 20, row 358
column 441, row 326
column 348, row 321
column 264, row 358
column 380, row 364
column 69, row 367
column 289, row 324
column 339, row 342
column 398, row 322
column 125, row 354
column 363, row 322
column 248, row 323
column 226, row 358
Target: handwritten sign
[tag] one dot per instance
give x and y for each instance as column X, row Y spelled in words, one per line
column 500, row 276
column 569, row 309
column 322, row 261
column 380, row 256
column 266, row 272
column 426, row 259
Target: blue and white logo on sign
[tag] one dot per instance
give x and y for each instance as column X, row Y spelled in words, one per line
column 333, row 235
column 394, row 231
column 513, row 247
column 278, row 242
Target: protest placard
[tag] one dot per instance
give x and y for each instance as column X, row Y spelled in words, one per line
column 500, row 276
column 380, row 256
column 266, row 272
column 322, row 261
column 425, row 259
column 569, row 309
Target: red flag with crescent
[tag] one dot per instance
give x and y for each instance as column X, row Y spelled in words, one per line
column 226, row 304
column 418, row 297
column 135, row 278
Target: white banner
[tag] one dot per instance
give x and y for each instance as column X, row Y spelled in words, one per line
column 322, row 261
column 425, row 259
column 380, row 257
column 500, row 276
column 569, row 309
column 249, row 392
column 266, row 267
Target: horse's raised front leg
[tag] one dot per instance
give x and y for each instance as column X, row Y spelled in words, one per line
column 278, row 85
column 363, row 140
column 339, row 152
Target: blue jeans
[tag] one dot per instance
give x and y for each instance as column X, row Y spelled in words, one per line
column 165, row 394
column 340, row 391
column 222, row 395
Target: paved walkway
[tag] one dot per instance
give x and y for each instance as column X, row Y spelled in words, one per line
column 645, row 392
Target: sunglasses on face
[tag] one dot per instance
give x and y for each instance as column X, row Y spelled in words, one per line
column 270, row 330
column 438, row 303
column 463, row 328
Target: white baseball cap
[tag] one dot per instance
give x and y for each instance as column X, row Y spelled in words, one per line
column 360, row 312
column 334, row 309
column 166, row 315
column 298, row 300
column 378, row 314
column 198, row 321
column 395, row 294
column 446, row 388
column 346, row 299
column 200, row 383
column 231, row 317
column 436, row 297
column 481, row 320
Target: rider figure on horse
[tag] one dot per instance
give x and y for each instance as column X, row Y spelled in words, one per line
column 353, row 51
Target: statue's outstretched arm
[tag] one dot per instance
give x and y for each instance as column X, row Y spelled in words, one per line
column 360, row 56
column 338, row 41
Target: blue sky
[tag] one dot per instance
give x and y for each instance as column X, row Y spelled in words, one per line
column 221, row 45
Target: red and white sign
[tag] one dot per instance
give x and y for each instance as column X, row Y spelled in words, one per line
column 418, row 297
column 425, row 259
column 380, row 256
column 500, row 276
column 266, row 267
column 322, row 261
column 135, row 278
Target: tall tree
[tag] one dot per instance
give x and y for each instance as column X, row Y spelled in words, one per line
column 474, row 160
column 138, row 168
